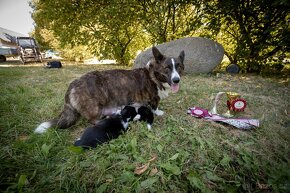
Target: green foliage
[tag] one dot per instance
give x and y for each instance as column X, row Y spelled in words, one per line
column 255, row 34
column 252, row 32
column 169, row 20
column 110, row 28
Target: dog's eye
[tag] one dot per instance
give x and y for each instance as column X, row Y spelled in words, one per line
column 167, row 67
column 178, row 66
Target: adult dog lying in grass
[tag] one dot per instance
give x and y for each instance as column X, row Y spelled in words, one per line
column 113, row 126
column 101, row 93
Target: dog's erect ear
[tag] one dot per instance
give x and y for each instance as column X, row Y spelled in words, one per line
column 181, row 56
column 157, row 55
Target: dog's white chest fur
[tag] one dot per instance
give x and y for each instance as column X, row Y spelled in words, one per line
column 164, row 93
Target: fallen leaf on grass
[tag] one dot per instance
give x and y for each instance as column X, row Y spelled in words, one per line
column 263, row 186
column 109, row 180
column 153, row 158
column 141, row 169
column 153, row 171
column 23, row 137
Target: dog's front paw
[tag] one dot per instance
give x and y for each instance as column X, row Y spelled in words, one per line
column 158, row 112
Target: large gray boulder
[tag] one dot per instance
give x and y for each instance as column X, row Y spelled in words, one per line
column 201, row 55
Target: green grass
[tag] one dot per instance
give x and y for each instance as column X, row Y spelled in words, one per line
column 192, row 155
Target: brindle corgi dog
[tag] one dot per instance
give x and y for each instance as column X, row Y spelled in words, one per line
column 101, row 93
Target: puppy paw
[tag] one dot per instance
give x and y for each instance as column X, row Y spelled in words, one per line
column 158, row 112
column 137, row 117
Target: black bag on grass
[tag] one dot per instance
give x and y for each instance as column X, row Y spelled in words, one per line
column 233, row 69
column 54, row 64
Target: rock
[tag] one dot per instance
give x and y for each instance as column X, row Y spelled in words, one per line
column 201, row 55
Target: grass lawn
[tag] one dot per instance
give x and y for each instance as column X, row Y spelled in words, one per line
column 180, row 154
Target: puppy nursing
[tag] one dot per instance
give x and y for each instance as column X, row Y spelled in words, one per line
column 113, row 126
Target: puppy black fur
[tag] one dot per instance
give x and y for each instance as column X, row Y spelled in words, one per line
column 146, row 115
column 107, row 129
column 110, row 128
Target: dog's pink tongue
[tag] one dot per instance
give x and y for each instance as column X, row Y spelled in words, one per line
column 174, row 88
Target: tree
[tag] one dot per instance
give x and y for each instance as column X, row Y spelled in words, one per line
column 257, row 30
column 253, row 32
column 107, row 27
column 166, row 20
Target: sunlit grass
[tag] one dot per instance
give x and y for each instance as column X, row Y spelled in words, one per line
column 191, row 154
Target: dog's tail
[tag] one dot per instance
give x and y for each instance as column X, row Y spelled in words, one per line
column 67, row 118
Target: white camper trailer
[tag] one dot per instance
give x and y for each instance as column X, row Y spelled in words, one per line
column 16, row 44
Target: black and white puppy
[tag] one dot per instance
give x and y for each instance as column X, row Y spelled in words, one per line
column 107, row 129
column 145, row 114
column 111, row 127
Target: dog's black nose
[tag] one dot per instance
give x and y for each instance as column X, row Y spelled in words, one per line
column 175, row 80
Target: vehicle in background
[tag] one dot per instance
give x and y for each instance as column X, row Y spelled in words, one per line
column 13, row 44
column 28, row 49
column 52, row 54
column 7, row 52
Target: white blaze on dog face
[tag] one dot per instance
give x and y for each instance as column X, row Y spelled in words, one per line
column 175, row 77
